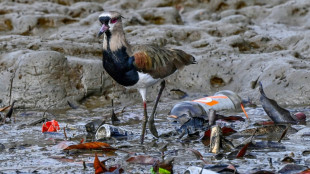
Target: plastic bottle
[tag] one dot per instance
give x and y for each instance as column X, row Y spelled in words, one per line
column 192, row 115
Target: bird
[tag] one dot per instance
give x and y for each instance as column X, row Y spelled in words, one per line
column 138, row 66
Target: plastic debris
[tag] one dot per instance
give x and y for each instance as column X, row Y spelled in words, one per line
column 50, row 126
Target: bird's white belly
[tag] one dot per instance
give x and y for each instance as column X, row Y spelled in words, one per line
column 145, row 80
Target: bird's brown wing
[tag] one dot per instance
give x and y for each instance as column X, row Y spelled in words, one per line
column 159, row 62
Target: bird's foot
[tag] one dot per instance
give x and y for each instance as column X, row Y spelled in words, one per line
column 152, row 128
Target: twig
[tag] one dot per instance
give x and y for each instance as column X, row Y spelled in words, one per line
column 84, row 165
column 65, row 133
column 46, row 111
column 283, row 134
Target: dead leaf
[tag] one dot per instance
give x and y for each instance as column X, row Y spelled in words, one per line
column 165, row 165
column 231, row 118
column 5, row 108
column 198, row 155
column 263, row 123
column 207, row 134
column 99, row 167
column 141, row 159
column 288, row 160
column 283, row 134
column 92, row 145
column 307, row 171
column 242, row 152
column 226, row 131
column 115, row 170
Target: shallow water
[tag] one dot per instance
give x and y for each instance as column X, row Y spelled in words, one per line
column 26, row 149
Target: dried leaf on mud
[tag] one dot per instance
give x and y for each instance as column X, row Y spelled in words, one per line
column 307, row 171
column 288, row 160
column 226, row 131
column 99, row 167
column 283, row 134
column 92, row 145
column 5, row 108
column 198, row 155
column 242, row 152
column 231, row 118
column 264, row 123
column 163, row 167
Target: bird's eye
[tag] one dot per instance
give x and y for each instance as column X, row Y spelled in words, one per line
column 113, row 20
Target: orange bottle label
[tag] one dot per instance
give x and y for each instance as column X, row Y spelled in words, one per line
column 209, row 100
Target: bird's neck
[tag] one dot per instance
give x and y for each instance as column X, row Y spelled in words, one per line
column 114, row 41
column 116, row 59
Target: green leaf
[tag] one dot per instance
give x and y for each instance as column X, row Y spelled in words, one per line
column 163, row 171
column 152, row 171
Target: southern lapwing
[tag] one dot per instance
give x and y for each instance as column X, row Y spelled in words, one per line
column 137, row 66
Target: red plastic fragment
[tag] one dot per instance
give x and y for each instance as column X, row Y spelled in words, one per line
column 50, row 126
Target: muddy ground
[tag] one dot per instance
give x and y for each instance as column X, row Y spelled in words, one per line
column 50, row 54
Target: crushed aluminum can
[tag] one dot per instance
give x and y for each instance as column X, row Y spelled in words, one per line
column 92, row 126
column 108, row 131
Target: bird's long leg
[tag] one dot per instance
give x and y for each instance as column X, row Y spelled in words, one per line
column 151, row 121
column 144, row 122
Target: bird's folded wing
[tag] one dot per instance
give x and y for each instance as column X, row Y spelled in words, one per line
column 159, row 62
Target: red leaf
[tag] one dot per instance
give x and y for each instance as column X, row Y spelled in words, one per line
column 113, row 168
column 141, row 159
column 307, row 171
column 242, row 152
column 99, row 167
column 233, row 118
column 92, row 145
column 264, row 123
column 82, row 140
column 227, row 131
column 207, row 134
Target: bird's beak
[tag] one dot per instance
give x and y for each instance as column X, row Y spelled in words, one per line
column 103, row 29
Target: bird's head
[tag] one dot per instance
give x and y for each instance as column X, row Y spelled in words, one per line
column 109, row 21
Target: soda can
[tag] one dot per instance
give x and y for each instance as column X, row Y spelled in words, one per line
column 108, row 131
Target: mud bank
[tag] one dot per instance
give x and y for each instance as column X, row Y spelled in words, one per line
column 49, row 52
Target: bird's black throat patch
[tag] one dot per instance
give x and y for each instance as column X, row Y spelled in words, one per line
column 108, row 34
column 120, row 66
